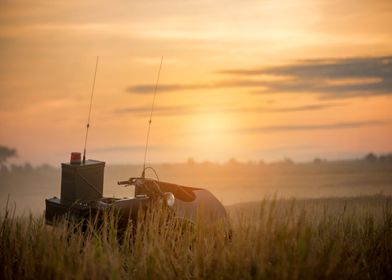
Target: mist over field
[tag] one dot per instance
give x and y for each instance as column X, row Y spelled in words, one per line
column 234, row 182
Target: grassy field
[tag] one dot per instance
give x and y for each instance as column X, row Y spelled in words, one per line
column 273, row 239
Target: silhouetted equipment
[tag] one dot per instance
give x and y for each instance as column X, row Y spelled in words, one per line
column 150, row 120
column 82, row 191
column 75, row 158
column 89, row 111
column 82, row 181
column 82, row 188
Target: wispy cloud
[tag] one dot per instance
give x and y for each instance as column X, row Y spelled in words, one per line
column 234, row 83
column 330, row 78
column 327, row 78
column 307, row 127
column 123, row 149
column 165, row 88
column 190, row 110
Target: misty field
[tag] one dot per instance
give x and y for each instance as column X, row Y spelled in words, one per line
column 274, row 239
column 233, row 182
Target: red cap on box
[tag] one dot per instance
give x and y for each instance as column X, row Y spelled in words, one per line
column 76, row 158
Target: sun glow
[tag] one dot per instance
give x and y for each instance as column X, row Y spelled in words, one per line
column 209, row 133
column 235, row 75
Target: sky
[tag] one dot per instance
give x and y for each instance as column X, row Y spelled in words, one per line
column 251, row 80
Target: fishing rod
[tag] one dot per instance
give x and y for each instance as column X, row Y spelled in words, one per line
column 149, row 122
column 89, row 111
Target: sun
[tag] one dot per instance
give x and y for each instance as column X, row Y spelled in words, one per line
column 210, row 135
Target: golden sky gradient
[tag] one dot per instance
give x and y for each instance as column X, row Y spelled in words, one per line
column 246, row 79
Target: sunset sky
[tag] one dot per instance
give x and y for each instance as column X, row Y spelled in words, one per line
column 251, row 80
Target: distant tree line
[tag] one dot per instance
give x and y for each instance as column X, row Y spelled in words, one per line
column 7, row 153
column 371, row 157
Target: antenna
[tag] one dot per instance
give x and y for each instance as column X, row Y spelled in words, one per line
column 149, row 122
column 89, row 111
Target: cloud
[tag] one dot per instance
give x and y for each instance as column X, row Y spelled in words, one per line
column 326, row 78
column 308, row 127
column 149, row 88
column 123, row 149
column 141, row 89
column 144, row 111
column 330, row 78
column 327, row 68
column 190, row 110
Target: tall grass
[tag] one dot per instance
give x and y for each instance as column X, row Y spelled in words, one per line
column 273, row 239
